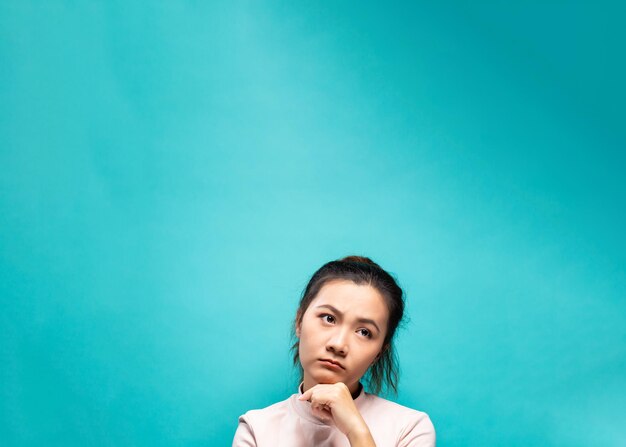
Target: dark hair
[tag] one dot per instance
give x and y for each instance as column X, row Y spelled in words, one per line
column 383, row 374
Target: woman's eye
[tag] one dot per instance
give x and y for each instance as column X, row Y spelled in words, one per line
column 328, row 318
column 365, row 333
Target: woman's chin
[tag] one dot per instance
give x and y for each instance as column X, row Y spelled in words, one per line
column 327, row 377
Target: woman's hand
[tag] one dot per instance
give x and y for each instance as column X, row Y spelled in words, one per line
column 333, row 402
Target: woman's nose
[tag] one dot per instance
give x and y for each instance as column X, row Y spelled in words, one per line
column 338, row 343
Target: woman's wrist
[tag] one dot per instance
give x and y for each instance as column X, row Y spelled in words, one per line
column 361, row 437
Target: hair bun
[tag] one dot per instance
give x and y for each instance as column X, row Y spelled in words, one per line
column 359, row 259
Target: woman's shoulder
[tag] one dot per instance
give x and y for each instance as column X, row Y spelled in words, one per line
column 405, row 420
column 262, row 423
column 274, row 411
column 390, row 407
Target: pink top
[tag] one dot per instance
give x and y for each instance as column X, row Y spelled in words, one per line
column 290, row 423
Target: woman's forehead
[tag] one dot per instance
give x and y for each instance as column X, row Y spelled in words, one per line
column 361, row 300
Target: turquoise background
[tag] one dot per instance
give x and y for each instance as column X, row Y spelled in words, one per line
column 173, row 172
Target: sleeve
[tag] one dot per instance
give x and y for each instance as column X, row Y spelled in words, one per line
column 244, row 436
column 418, row 432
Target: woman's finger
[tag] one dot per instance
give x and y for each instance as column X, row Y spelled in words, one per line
column 320, row 412
column 307, row 394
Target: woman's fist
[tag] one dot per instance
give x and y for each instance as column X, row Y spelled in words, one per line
column 334, row 403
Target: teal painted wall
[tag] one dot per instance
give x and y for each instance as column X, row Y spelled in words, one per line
column 172, row 173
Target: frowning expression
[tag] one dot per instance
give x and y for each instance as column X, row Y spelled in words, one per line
column 341, row 333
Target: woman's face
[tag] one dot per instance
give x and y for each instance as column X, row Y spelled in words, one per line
column 341, row 333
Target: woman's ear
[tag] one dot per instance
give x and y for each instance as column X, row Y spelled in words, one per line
column 298, row 324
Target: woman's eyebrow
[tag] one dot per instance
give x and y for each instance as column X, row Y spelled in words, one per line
column 360, row 320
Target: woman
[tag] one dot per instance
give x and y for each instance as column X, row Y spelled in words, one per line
column 345, row 326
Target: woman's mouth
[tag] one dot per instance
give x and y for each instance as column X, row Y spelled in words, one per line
column 331, row 364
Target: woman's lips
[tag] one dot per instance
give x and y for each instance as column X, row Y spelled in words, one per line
column 336, row 366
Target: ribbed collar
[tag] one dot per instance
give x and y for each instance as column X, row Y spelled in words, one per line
column 303, row 407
